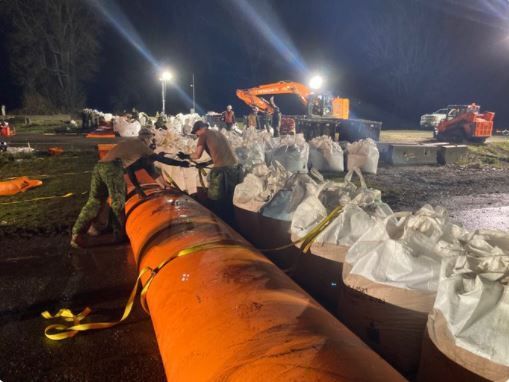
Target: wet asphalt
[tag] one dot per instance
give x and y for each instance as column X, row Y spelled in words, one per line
column 51, row 277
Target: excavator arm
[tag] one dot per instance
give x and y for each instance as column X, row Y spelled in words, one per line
column 252, row 96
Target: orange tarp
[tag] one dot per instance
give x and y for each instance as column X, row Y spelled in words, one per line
column 14, row 186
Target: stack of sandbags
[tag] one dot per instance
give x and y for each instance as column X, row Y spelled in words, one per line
column 467, row 335
column 249, row 147
column 363, row 154
column 362, row 208
column 390, row 280
column 257, row 189
column 325, row 154
column 292, row 151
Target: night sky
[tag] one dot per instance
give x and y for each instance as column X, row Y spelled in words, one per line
column 439, row 52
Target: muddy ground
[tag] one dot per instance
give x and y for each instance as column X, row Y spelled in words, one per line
column 38, row 271
column 475, row 197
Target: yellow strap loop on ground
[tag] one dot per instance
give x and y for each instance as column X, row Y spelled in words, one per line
column 69, row 194
column 59, row 332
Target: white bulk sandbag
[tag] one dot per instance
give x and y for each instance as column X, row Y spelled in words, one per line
column 186, row 178
column 259, row 186
column 247, row 193
column 124, row 128
column 473, row 297
column 325, row 154
column 250, row 155
column 292, row 151
column 285, row 202
column 405, row 253
column 390, row 279
column 363, row 154
column 362, row 206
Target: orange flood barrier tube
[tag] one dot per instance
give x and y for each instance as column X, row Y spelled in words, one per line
column 224, row 312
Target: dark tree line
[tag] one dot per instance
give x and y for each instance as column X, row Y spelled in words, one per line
column 53, row 50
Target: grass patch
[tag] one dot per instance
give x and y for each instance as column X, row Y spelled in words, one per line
column 69, row 172
column 40, row 129
column 492, row 155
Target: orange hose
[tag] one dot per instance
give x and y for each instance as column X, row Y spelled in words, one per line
column 229, row 314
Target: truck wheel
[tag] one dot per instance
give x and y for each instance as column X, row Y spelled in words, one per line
column 477, row 140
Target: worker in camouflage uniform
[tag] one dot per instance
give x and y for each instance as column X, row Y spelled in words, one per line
column 108, row 181
column 226, row 172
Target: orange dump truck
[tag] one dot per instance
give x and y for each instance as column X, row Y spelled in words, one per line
column 223, row 312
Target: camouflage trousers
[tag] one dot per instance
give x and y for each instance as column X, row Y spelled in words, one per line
column 107, row 180
column 222, row 182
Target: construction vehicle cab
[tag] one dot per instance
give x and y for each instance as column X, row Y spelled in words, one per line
column 325, row 114
column 465, row 122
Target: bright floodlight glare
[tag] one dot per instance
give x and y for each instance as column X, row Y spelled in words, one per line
column 316, row 82
column 166, row 76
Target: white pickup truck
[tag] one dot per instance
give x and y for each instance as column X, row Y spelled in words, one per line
column 430, row 121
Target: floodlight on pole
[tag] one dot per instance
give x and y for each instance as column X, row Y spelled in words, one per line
column 316, row 82
column 165, row 76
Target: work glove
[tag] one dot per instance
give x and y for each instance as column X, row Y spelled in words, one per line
column 182, row 155
column 202, row 165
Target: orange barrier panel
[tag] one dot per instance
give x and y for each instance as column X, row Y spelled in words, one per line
column 14, row 186
column 55, row 151
column 103, row 149
column 100, row 135
column 228, row 313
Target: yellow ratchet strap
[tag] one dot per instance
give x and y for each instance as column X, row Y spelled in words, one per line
column 63, row 331
column 308, row 240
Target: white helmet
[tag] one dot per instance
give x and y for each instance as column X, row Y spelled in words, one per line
column 229, row 107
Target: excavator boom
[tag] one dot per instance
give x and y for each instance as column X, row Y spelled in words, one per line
column 324, row 114
column 252, row 96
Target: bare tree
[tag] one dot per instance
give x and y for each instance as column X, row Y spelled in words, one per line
column 53, row 49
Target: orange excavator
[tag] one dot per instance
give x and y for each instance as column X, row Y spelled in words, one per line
column 465, row 122
column 326, row 115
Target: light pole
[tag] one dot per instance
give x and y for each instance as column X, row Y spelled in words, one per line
column 194, row 99
column 166, row 76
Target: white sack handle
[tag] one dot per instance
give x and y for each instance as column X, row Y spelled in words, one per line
column 348, row 176
column 401, row 220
